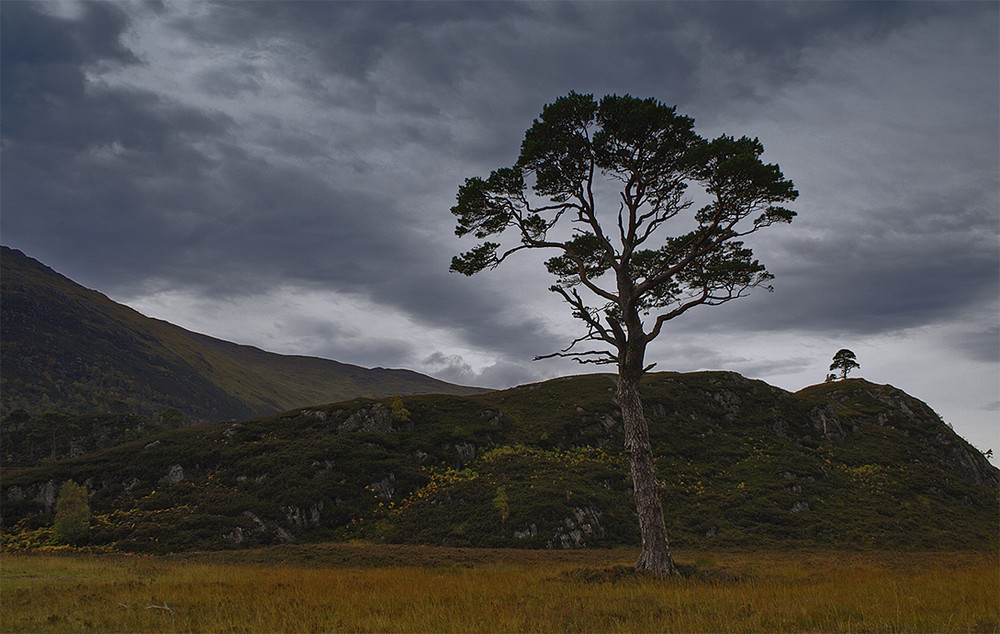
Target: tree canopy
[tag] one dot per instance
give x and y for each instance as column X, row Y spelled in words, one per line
column 845, row 361
column 651, row 157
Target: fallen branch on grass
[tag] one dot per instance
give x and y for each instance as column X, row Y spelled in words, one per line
column 160, row 607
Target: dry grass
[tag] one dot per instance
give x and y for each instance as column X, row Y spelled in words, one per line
column 363, row 588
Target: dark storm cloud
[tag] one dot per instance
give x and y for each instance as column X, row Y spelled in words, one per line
column 80, row 162
column 129, row 176
column 503, row 60
column 129, row 187
column 33, row 38
column 895, row 268
column 878, row 274
column 133, row 186
column 48, row 102
column 781, row 30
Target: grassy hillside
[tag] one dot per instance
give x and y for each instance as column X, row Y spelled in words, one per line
column 742, row 463
column 69, row 349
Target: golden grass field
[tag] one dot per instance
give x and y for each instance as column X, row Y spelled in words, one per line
column 375, row 588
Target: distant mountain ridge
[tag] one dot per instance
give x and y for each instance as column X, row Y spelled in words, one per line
column 70, row 349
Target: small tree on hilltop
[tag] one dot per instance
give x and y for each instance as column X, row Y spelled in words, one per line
column 845, row 361
column 72, row 520
column 615, row 268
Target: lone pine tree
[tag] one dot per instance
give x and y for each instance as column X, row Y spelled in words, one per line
column 614, row 264
column 845, row 361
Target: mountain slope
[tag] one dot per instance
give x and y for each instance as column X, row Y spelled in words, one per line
column 73, row 350
column 742, row 464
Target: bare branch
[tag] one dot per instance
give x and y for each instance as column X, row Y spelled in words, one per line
column 707, row 298
column 508, row 253
column 580, row 310
column 659, row 217
column 582, row 357
column 159, row 607
column 621, row 224
column 620, row 337
column 588, row 215
column 683, row 308
column 560, row 207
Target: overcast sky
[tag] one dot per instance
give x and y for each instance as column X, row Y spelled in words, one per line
column 281, row 174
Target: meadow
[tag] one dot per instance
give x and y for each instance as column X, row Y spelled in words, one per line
column 357, row 587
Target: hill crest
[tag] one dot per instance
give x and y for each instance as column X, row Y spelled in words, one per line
column 741, row 463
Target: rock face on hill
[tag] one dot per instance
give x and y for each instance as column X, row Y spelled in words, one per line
column 897, row 411
column 742, row 464
column 74, row 351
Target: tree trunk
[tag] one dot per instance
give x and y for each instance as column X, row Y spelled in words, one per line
column 655, row 555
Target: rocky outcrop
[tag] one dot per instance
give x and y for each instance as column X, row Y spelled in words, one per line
column 824, row 419
column 174, row 475
column 890, row 407
column 376, row 419
column 574, row 531
column 383, row 489
column 259, row 530
column 303, row 518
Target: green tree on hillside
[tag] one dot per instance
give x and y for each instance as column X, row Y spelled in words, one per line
column 72, row 520
column 398, row 409
column 844, row 361
column 617, row 172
